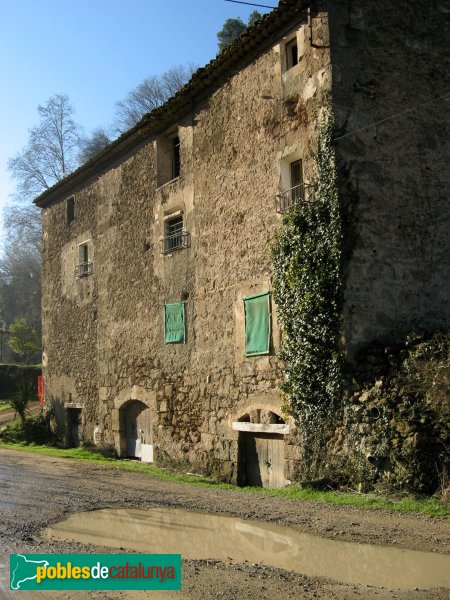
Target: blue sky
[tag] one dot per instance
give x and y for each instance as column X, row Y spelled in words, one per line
column 95, row 51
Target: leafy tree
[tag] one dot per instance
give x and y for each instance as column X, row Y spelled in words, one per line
column 51, row 152
column 233, row 29
column 253, row 18
column 151, row 93
column 94, row 144
column 23, row 339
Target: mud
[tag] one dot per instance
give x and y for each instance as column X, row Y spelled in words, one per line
column 37, row 492
column 199, row 536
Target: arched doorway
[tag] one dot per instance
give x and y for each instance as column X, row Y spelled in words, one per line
column 261, row 449
column 143, row 400
column 137, row 430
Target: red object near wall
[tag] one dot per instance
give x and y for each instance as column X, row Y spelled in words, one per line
column 41, row 389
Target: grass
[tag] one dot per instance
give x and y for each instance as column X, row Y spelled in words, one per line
column 22, row 365
column 5, row 404
column 433, row 506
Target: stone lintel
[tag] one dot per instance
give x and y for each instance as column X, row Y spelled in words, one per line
column 280, row 428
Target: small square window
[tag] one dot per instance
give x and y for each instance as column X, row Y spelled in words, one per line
column 70, row 210
column 291, row 51
column 257, row 324
column 175, row 238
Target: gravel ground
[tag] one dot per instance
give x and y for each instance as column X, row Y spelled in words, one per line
column 37, row 491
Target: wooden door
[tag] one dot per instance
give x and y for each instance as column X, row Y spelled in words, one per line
column 264, row 460
column 137, row 427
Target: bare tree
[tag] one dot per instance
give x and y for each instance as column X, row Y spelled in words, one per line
column 51, row 152
column 23, row 223
column 151, row 93
column 95, row 143
column 20, row 287
column 20, row 266
column 50, row 155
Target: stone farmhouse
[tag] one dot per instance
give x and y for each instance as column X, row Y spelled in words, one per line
column 160, row 330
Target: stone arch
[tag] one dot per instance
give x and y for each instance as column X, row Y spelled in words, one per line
column 122, row 402
column 261, row 431
column 263, row 402
column 262, row 416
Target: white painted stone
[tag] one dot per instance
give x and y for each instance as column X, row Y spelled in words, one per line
column 260, row 427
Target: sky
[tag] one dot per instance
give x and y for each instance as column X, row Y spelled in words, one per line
column 95, row 51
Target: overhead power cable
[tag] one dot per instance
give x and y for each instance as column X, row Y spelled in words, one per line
column 250, row 3
column 408, row 110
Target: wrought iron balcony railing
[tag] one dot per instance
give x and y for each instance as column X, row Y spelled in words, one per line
column 286, row 198
column 176, row 241
column 83, row 269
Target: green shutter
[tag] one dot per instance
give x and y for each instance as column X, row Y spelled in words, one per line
column 257, row 324
column 174, row 323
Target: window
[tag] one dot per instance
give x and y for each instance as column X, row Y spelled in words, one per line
column 70, row 210
column 174, row 323
column 168, row 157
column 176, row 163
column 175, row 238
column 291, row 51
column 257, row 324
column 296, row 174
column 291, row 183
column 84, row 266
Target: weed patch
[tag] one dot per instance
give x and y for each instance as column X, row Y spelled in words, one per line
column 433, row 506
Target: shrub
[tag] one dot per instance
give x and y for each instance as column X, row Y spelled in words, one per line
column 34, row 430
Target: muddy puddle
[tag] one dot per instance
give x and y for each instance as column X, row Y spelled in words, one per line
column 204, row 536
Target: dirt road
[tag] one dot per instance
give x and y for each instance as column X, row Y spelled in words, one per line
column 38, row 491
column 8, row 415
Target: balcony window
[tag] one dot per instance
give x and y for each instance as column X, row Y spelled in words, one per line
column 175, row 238
column 296, row 190
column 84, row 266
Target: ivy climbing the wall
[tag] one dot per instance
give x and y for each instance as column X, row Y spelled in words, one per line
column 307, row 260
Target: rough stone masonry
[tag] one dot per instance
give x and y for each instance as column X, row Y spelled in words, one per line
column 209, row 166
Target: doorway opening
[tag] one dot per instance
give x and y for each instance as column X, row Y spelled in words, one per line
column 136, row 430
column 261, row 449
column 74, row 428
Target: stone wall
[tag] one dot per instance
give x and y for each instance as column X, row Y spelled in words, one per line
column 394, row 429
column 103, row 333
column 388, row 57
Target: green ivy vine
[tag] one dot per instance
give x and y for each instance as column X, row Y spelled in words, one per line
column 307, row 260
